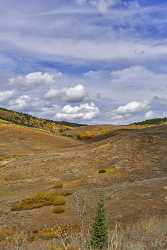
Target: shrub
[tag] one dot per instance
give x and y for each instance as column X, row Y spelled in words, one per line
column 102, row 171
column 40, row 200
column 99, row 236
column 4, row 233
column 58, row 184
column 58, row 210
column 114, row 172
column 66, row 193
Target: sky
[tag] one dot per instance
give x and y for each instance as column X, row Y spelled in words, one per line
column 86, row 61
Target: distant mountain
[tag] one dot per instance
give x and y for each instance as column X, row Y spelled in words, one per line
column 155, row 121
column 31, row 121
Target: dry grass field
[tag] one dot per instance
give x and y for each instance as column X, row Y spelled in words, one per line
column 47, row 179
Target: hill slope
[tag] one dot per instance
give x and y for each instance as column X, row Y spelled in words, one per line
column 20, row 140
column 128, row 167
column 155, row 121
column 31, row 121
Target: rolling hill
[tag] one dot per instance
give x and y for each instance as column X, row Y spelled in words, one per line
column 40, row 170
column 31, row 121
column 155, row 121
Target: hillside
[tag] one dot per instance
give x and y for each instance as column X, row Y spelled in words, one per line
column 20, row 140
column 93, row 133
column 31, row 121
column 41, row 171
column 155, row 121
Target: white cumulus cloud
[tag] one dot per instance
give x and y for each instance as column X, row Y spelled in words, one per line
column 150, row 114
column 104, row 5
column 75, row 93
column 34, row 79
column 20, row 103
column 83, row 111
column 52, row 93
column 130, row 110
column 133, row 107
column 100, row 5
column 5, row 95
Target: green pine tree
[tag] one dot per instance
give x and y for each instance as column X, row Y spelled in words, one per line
column 99, row 236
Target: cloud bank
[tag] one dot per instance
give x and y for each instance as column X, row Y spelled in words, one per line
column 95, row 61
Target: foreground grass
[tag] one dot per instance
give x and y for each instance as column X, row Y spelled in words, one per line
column 148, row 234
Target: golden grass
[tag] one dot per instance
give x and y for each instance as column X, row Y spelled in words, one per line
column 3, row 121
column 49, row 234
column 72, row 184
column 53, row 232
column 93, row 133
column 40, row 200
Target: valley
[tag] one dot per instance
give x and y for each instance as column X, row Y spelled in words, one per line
column 40, row 170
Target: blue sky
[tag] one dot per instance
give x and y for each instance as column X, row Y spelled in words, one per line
column 88, row 61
